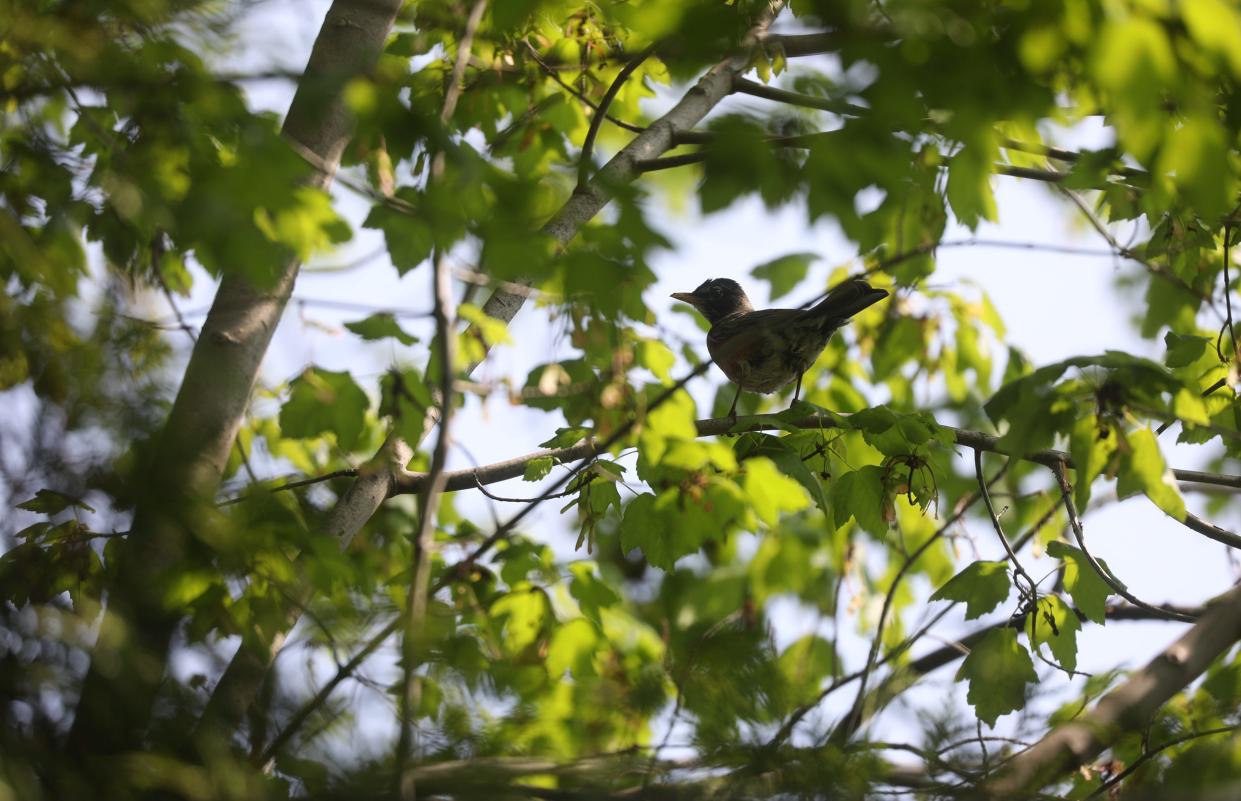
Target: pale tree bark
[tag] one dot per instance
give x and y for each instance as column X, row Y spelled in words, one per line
column 131, row 653
column 363, row 498
column 1126, row 709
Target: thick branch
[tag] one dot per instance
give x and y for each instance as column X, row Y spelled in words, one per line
column 132, row 649
column 658, row 137
column 1127, row 708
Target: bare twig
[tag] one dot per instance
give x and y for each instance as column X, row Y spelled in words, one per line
column 445, row 351
column 1030, row 591
column 857, row 713
column 551, row 71
column 1227, row 325
column 305, row 482
column 483, row 490
column 584, row 162
column 1129, row 253
column 1076, row 524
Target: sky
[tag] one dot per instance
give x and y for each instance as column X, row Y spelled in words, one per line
column 1054, row 305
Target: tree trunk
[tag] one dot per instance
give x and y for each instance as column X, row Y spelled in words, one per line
column 184, row 473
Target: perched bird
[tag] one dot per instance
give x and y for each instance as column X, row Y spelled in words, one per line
column 764, row 350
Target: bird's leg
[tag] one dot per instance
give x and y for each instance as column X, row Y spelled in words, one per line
column 732, row 410
column 796, row 392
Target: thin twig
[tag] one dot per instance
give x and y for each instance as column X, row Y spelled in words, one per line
column 534, row 54
column 305, row 482
column 1075, row 523
column 445, row 350
column 856, row 714
column 1227, row 326
column 1152, row 753
column 1129, row 253
column 479, row 485
column 584, row 163
column 1031, row 589
column 756, row 89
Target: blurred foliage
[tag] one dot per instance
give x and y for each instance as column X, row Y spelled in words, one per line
column 131, row 163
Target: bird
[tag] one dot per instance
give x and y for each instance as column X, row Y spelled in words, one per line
column 762, row 351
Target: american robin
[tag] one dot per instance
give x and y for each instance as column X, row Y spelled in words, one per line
column 764, row 350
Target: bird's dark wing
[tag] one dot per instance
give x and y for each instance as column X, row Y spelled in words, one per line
column 740, row 331
column 847, row 299
column 752, row 341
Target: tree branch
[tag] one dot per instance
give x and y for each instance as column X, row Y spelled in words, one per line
column 1127, row 708
column 587, row 201
column 857, row 712
column 428, row 511
column 1117, row 587
column 803, row 44
column 756, row 89
column 588, row 144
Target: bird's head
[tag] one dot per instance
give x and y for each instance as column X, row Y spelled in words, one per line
column 716, row 299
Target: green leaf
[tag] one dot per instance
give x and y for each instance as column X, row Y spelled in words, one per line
column 522, row 614
column 969, row 184
column 860, row 494
column 676, row 523
column 1143, row 469
column 379, row 326
column 1192, row 154
column 785, row 272
column 1216, row 26
column 494, row 331
column 998, row 670
column 1087, row 589
column 565, row 437
column 187, row 586
column 307, row 226
column 672, row 420
column 409, row 237
column 590, row 591
column 1190, row 407
column 982, row 586
column 894, row 434
column 51, row 502
column 642, row 528
column 1184, row 350
column 1055, row 624
column 404, row 397
column 656, row 357
column 572, row 650
column 323, row 401
column 804, row 665
column 790, row 462
column 771, row 492
column 1091, row 449
column 537, row 468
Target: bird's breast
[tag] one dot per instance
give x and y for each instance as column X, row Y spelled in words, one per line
column 763, row 358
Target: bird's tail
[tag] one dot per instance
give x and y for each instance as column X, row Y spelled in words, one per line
column 847, row 299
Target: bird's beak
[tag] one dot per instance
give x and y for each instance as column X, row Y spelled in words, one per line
column 686, row 297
